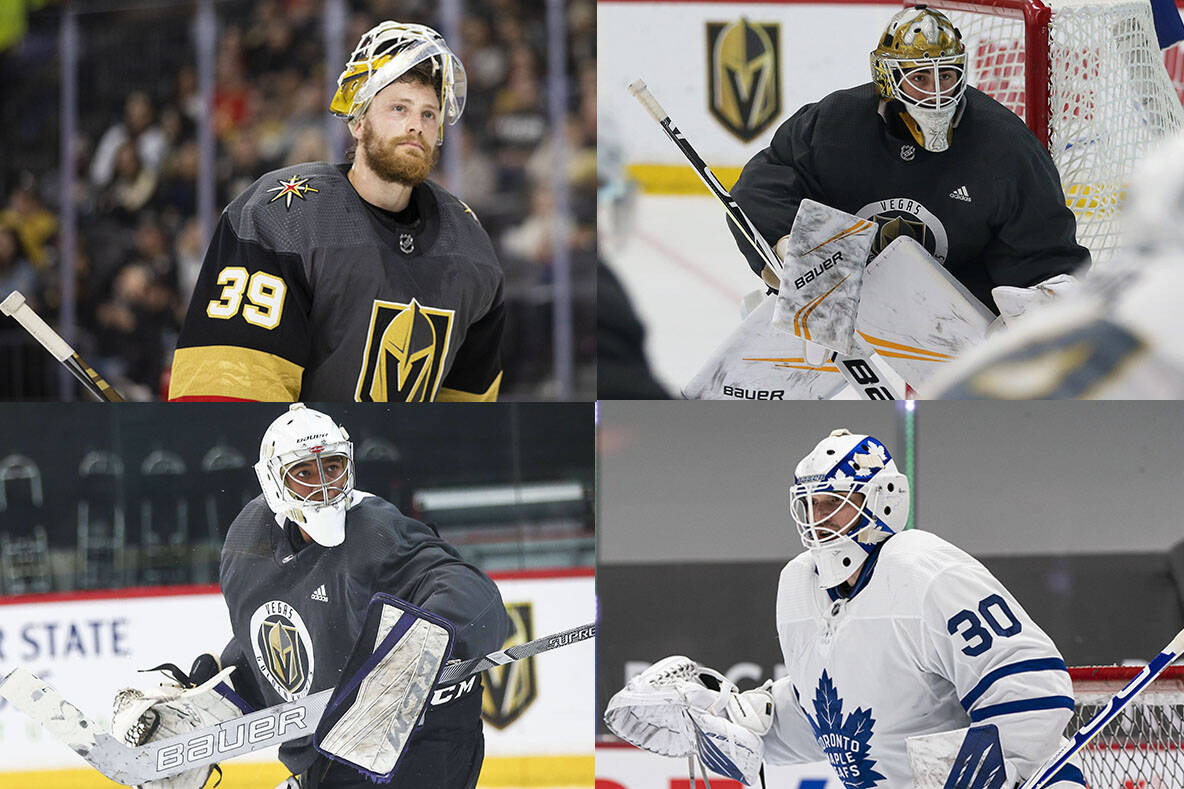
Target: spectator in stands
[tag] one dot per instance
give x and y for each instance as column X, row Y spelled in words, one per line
column 138, row 130
column 16, row 271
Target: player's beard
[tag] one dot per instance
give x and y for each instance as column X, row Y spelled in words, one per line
column 404, row 166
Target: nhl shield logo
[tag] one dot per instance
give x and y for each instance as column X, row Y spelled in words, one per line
column 744, row 72
column 405, row 351
column 510, row 689
column 283, row 648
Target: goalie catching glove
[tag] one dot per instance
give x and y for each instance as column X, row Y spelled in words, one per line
column 195, row 701
column 678, row 708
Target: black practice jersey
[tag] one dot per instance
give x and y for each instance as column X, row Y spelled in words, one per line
column 309, row 292
column 989, row 208
column 296, row 614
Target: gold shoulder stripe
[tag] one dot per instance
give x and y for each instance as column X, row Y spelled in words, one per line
column 446, row 395
column 230, row 371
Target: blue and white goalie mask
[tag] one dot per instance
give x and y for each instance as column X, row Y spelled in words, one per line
column 847, row 497
column 306, row 470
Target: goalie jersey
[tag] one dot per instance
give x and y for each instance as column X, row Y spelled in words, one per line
column 989, row 208
column 296, row 612
column 927, row 641
column 308, row 292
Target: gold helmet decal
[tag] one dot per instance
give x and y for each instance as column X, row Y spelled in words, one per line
column 744, row 66
column 510, row 689
column 406, row 348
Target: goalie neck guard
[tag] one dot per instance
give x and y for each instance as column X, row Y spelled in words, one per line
column 317, row 503
column 921, row 44
column 847, row 497
column 388, row 51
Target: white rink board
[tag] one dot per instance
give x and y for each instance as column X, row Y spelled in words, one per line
column 824, row 48
column 562, row 720
column 88, row 649
column 631, row 768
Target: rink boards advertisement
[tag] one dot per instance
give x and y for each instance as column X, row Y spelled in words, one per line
column 89, row 645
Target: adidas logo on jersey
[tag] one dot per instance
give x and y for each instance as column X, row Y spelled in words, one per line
column 961, row 194
column 319, row 594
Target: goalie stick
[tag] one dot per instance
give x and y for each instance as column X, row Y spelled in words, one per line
column 91, row 381
column 865, row 373
column 154, row 760
column 1107, row 714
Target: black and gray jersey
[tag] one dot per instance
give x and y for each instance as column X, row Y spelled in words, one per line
column 309, row 292
column 296, row 614
column 990, row 208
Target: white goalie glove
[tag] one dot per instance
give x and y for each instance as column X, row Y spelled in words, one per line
column 1014, row 303
column 678, row 708
column 170, row 710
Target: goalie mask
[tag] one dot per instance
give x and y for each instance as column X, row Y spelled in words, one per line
column 847, row 497
column 306, row 470
column 387, row 52
column 921, row 46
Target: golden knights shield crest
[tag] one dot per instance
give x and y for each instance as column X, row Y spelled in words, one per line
column 405, row 351
column 744, row 75
column 510, row 689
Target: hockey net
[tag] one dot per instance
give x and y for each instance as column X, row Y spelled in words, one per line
column 1088, row 78
column 1144, row 747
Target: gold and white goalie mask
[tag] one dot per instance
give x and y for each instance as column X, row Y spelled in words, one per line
column 388, row 51
column 921, row 63
column 306, row 470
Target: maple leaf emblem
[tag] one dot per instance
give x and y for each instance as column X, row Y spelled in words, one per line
column 845, row 742
column 293, row 187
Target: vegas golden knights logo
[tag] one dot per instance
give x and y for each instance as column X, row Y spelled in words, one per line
column 511, row 688
column 284, row 653
column 405, row 352
column 891, row 228
column 744, row 75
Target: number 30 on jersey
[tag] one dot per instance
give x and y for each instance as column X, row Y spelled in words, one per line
column 264, row 293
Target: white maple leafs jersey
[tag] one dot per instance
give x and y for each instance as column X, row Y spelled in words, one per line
column 929, row 641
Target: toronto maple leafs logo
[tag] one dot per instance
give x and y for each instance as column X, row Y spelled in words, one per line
column 845, row 741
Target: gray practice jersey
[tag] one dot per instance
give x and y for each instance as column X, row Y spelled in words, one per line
column 296, row 614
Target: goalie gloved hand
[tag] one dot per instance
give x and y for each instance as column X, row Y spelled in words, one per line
column 175, row 708
column 678, row 708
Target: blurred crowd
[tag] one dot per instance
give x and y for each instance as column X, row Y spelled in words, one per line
column 140, row 241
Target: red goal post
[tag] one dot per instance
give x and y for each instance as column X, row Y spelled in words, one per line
column 1144, row 747
column 1089, row 80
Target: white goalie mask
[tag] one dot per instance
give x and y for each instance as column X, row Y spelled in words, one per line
column 306, row 470
column 922, row 46
column 847, row 497
column 388, row 51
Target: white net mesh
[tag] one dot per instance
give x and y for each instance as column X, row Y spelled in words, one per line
column 1109, row 96
column 1142, row 748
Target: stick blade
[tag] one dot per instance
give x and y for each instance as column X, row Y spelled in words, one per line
column 70, row 725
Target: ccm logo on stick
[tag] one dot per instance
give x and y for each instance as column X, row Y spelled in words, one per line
column 230, row 738
column 816, row 271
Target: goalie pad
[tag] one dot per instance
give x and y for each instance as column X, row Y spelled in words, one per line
column 669, row 710
column 915, row 314
column 141, row 717
column 824, row 257
column 385, row 687
column 759, row 362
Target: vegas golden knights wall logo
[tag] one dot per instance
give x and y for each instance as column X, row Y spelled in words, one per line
column 510, row 689
column 405, row 352
column 744, row 75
